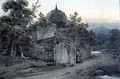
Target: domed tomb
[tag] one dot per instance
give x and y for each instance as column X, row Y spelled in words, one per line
column 57, row 16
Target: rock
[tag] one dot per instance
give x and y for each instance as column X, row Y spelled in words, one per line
column 98, row 73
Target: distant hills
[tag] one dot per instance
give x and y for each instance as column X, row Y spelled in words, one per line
column 101, row 30
column 103, row 36
column 115, row 25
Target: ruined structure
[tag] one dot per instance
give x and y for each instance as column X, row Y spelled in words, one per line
column 43, row 36
column 70, row 46
column 55, row 43
column 65, row 47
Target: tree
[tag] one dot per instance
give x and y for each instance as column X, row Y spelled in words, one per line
column 18, row 12
column 75, row 21
column 13, row 29
column 35, row 7
column 115, row 39
column 13, row 40
column 42, row 20
column 115, row 34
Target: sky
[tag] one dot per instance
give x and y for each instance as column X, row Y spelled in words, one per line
column 89, row 10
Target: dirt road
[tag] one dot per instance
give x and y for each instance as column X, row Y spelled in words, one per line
column 83, row 69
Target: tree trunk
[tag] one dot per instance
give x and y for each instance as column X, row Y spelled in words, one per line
column 21, row 52
column 9, row 48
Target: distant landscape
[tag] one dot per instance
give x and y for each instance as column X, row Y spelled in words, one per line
column 114, row 25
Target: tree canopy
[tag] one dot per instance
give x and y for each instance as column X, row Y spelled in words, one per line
column 13, row 28
column 76, row 21
column 18, row 12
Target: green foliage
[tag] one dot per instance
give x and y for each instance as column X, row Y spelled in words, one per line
column 13, row 26
column 75, row 21
column 111, row 41
column 115, row 35
column 14, row 5
column 115, row 39
column 35, row 7
column 18, row 12
column 13, row 38
column 42, row 19
column 101, row 39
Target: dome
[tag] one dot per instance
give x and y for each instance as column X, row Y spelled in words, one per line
column 57, row 16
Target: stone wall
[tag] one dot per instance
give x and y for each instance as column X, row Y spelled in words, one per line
column 65, row 53
column 65, row 48
column 44, row 50
column 44, row 32
column 43, row 36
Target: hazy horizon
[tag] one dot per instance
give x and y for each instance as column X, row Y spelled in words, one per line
column 89, row 10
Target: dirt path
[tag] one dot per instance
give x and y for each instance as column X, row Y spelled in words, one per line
column 65, row 72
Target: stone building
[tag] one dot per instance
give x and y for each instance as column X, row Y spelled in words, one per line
column 54, row 42
column 65, row 47
column 43, row 36
column 70, row 46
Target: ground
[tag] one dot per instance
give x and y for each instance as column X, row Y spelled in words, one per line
column 32, row 69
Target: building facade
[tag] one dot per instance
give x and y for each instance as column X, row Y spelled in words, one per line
column 54, row 42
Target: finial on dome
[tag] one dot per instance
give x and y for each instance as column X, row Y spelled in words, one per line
column 56, row 7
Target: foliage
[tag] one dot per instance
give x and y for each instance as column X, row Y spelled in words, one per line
column 35, row 7
column 13, row 29
column 101, row 39
column 18, row 11
column 42, row 19
column 13, row 38
column 115, row 35
column 115, row 38
column 111, row 41
column 75, row 21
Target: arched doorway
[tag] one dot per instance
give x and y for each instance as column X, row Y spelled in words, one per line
column 64, row 55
